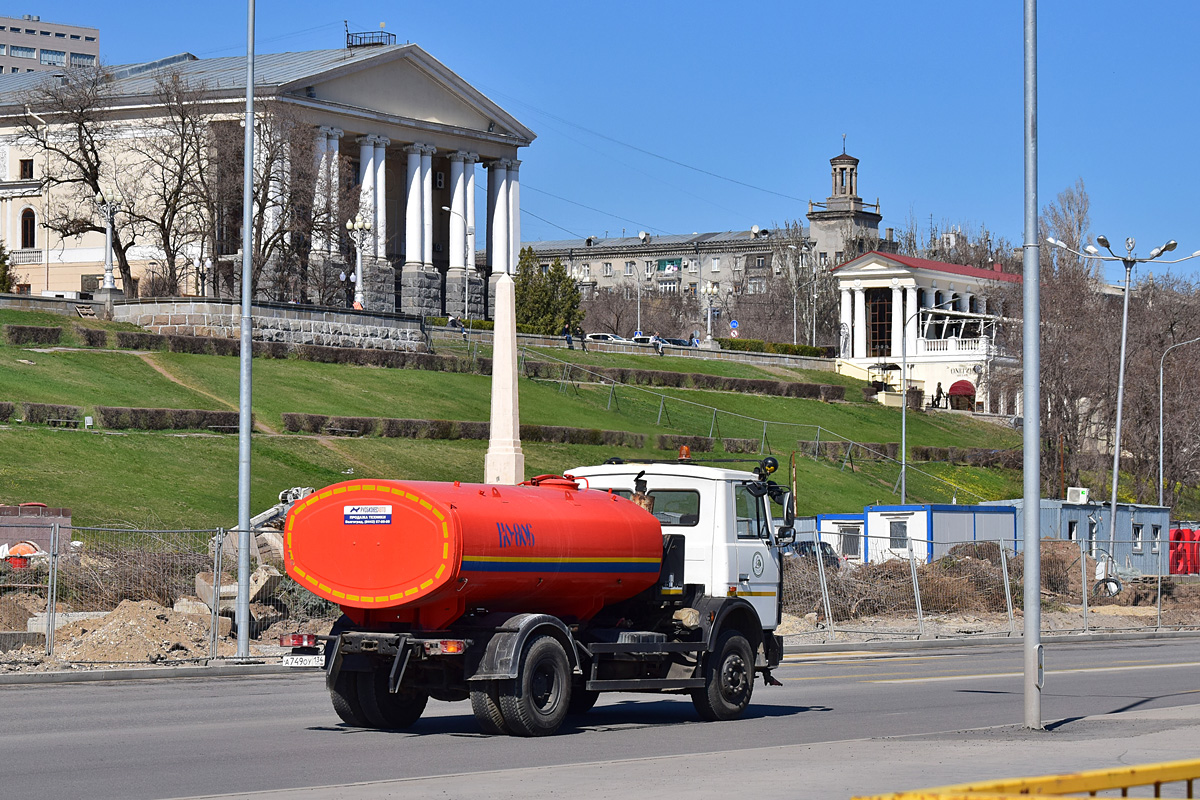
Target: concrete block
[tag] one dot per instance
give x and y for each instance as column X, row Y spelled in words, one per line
column 37, row 623
column 191, row 605
column 13, row 640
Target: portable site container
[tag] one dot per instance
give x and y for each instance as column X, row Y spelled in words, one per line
column 933, row 529
column 845, row 533
column 1140, row 539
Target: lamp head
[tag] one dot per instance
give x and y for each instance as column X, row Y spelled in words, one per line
column 1169, row 246
column 1091, row 250
column 1130, row 243
column 445, row 208
column 1103, row 241
column 349, row 224
column 1050, row 240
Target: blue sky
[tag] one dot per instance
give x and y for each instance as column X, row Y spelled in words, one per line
column 676, row 117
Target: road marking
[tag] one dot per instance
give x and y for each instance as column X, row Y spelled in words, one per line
column 1049, row 673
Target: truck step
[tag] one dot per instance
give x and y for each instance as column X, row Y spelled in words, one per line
column 643, row 684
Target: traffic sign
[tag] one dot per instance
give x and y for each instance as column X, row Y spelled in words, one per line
column 733, row 324
column 637, row 333
column 734, row 333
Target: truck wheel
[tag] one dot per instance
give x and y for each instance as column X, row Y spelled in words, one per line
column 536, row 703
column 729, row 679
column 383, row 709
column 345, row 700
column 485, row 703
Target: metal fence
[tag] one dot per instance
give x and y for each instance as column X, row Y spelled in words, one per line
column 974, row 588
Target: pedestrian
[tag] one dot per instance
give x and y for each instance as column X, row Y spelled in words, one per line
column 566, row 332
column 582, row 339
column 657, row 341
column 937, row 396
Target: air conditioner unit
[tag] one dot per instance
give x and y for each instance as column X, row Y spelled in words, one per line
column 1077, row 494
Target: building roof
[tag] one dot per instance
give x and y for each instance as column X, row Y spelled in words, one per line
column 273, row 73
column 843, row 158
column 677, row 240
column 935, row 266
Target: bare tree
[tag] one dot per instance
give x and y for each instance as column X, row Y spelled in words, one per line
column 811, row 287
column 84, row 141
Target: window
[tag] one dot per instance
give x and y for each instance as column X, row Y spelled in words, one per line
column 649, row 268
column 28, row 229
column 1155, row 537
column 3, row 49
column 608, row 270
column 75, row 36
column 691, row 290
column 83, row 60
column 44, row 33
column 751, row 517
column 760, row 262
column 629, row 267
column 24, row 288
column 850, row 537
column 1072, row 530
column 898, row 534
column 14, row 69
column 26, row 169
column 17, row 51
column 837, row 257
column 54, row 58
column 823, row 259
column 60, row 36
column 89, row 38
column 545, row 269
column 1137, row 538
column 675, row 508
column 694, row 266
column 716, row 265
column 756, row 286
column 587, row 271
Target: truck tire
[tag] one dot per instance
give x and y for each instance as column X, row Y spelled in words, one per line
column 536, row 703
column 582, row 700
column 383, row 709
column 485, row 704
column 345, row 700
column 729, row 679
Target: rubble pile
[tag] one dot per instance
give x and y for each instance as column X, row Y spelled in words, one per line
column 143, row 632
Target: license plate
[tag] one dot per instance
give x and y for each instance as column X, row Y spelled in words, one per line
column 295, row 660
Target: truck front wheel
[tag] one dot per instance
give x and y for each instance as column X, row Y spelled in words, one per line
column 536, row 703
column 729, row 679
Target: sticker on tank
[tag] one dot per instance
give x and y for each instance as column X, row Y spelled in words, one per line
column 367, row 515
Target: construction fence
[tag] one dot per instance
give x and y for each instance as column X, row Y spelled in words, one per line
column 916, row 589
column 114, row 596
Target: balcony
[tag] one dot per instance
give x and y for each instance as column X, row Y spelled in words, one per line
column 941, row 347
column 26, row 255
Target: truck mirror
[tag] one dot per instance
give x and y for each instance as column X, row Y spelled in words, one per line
column 789, row 509
column 785, row 537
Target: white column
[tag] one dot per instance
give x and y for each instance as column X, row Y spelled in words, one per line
column 413, row 228
column 320, row 191
column 381, row 221
column 844, row 348
column 910, row 328
column 498, row 222
column 333, row 185
column 458, row 212
column 860, row 323
column 469, row 196
column 897, row 320
column 514, row 215
column 366, row 180
column 966, row 301
column 427, row 206
column 492, row 188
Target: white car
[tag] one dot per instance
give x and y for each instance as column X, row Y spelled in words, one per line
column 605, row 337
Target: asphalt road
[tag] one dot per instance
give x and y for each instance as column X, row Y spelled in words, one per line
column 182, row 738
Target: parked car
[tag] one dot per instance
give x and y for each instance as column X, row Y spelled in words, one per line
column 808, row 549
column 646, row 340
column 605, row 337
column 679, row 342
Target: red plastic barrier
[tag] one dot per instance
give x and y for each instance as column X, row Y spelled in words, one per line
column 1175, row 550
column 1191, row 538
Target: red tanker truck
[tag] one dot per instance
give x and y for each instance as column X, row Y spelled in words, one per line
column 531, row 600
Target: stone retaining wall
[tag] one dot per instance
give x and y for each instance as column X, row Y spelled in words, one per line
column 274, row 323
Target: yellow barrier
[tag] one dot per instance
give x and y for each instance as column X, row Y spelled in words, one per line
column 1077, row 783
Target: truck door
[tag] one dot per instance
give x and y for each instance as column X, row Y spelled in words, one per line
column 757, row 562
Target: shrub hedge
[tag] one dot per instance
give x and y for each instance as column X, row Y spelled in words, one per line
column 456, row 429
column 741, row 445
column 43, row 412
column 972, row 456
column 164, row 419
column 6, row 410
column 138, row 340
column 697, row 444
column 781, row 348
column 32, row 334
column 92, row 337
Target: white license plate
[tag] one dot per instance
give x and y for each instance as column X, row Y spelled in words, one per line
column 295, row 660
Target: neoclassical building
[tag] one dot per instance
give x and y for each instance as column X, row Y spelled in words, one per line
column 931, row 318
column 402, row 130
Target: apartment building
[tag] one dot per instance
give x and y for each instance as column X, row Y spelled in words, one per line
column 29, row 45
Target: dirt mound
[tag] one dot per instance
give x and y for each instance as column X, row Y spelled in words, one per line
column 13, row 616
column 137, row 632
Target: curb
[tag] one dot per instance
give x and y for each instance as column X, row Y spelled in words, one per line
column 991, row 641
column 148, row 673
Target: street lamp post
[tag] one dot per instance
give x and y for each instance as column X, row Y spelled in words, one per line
column 109, row 203
column 468, row 250
column 710, row 291
column 359, row 230
column 347, row 284
column 1128, row 260
column 1161, row 363
column 904, row 400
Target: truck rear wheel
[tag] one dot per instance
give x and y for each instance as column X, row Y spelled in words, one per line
column 485, row 703
column 345, row 699
column 536, row 703
column 729, row 679
column 383, row 709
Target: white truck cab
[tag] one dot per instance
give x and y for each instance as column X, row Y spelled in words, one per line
column 732, row 546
